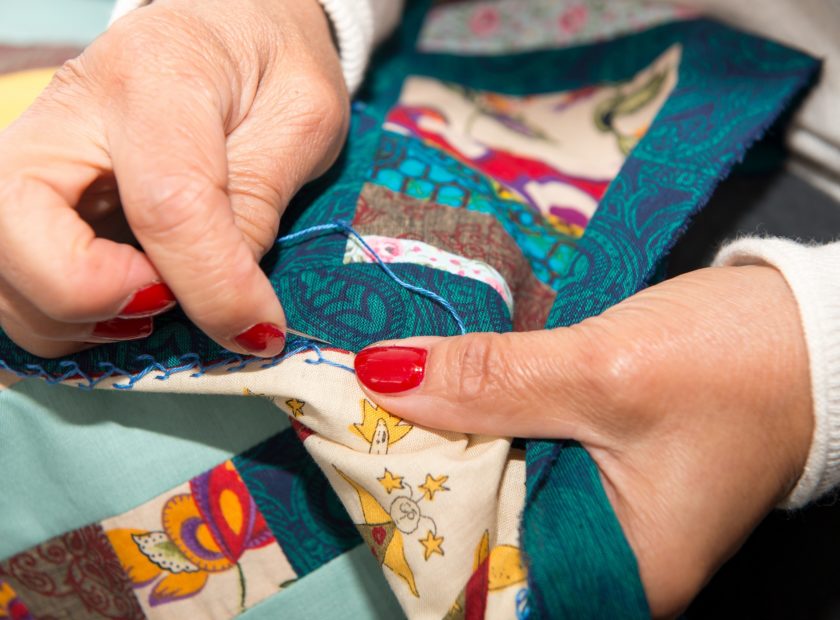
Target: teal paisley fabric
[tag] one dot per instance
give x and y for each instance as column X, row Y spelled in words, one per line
column 731, row 88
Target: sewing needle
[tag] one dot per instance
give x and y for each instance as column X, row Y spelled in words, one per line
column 307, row 336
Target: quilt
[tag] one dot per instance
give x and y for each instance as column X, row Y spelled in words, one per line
column 526, row 189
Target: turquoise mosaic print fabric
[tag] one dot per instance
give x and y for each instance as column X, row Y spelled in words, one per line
column 731, row 88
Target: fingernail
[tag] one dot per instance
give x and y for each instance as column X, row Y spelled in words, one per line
column 261, row 339
column 117, row 330
column 389, row 370
column 149, row 301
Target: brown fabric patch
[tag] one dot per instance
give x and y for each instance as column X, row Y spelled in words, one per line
column 76, row 575
column 15, row 58
column 470, row 234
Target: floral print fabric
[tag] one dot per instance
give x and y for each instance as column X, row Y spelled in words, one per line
column 556, row 153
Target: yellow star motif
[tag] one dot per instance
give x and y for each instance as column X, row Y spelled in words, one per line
column 433, row 485
column 379, row 428
column 431, row 545
column 390, row 482
column 296, row 406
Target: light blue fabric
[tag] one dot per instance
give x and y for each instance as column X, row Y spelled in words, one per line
column 70, row 457
column 350, row 586
column 74, row 22
column 137, row 445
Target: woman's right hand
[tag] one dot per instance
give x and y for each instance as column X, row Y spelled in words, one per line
column 200, row 120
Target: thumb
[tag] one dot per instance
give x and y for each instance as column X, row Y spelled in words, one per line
column 173, row 184
column 528, row 384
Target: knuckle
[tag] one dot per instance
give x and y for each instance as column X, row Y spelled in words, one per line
column 69, row 87
column 614, row 380
column 476, row 367
column 334, row 106
column 320, row 106
column 72, row 73
column 169, row 205
column 133, row 39
column 141, row 51
column 258, row 223
column 144, row 36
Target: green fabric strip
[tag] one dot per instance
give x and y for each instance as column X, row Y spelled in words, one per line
column 73, row 22
column 70, row 457
column 581, row 566
column 350, row 586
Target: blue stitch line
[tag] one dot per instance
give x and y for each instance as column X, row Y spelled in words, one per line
column 522, row 609
column 277, row 360
column 132, row 378
column 191, row 361
column 241, row 366
column 309, row 232
column 152, row 362
column 187, row 362
column 323, row 360
column 50, row 379
column 346, row 228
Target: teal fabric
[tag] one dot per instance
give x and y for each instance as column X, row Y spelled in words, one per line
column 581, row 564
column 155, row 441
column 350, row 586
column 732, row 88
column 69, row 457
column 74, row 22
column 297, row 501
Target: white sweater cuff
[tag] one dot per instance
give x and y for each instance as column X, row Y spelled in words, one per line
column 359, row 25
column 813, row 274
column 121, row 7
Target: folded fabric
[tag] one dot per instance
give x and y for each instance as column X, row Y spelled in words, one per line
column 529, row 191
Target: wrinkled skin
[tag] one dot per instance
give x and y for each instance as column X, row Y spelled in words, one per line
column 209, row 116
column 693, row 398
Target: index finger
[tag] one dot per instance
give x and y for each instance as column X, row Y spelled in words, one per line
column 170, row 159
column 50, row 255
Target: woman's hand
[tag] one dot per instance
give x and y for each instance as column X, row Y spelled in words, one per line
column 693, row 397
column 208, row 117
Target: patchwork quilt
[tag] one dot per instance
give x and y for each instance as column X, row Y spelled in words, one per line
column 530, row 167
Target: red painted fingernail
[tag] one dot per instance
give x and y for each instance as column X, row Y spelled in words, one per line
column 117, row 330
column 389, row 370
column 149, row 301
column 261, row 339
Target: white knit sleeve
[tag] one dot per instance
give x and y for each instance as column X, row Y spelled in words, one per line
column 813, row 274
column 121, row 7
column 359, row 26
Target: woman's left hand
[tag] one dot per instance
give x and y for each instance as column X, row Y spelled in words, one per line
column 693, row 397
